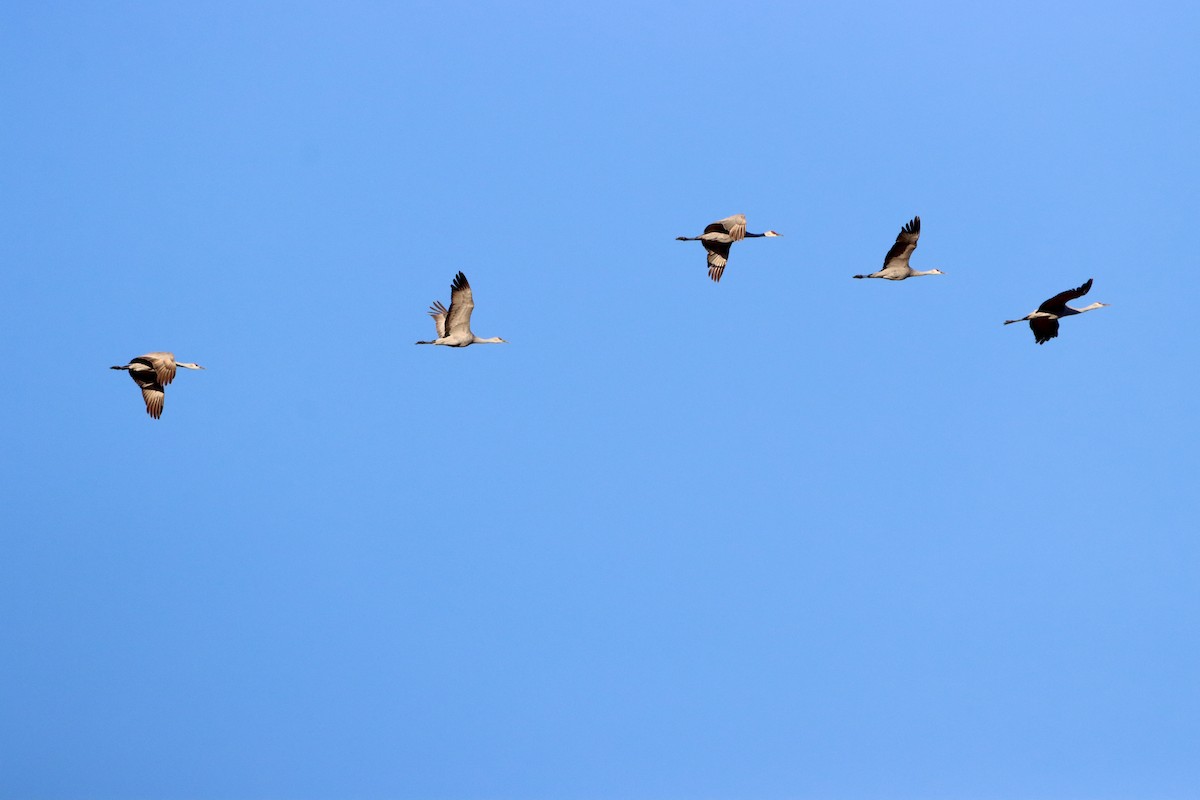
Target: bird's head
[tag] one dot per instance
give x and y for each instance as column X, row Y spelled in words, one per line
column 188, row 365
column 772, row 233
column 936, row 272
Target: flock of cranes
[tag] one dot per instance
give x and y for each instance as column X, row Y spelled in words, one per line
column 152, row 372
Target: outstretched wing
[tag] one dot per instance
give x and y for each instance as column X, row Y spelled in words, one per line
column 163, row 365
column 718, row 257
column 734, row 227
column 152, row 390
column 438, row 312
column 906, row 242
column 1058, row 303
column 458, row 319
column 1044, row 329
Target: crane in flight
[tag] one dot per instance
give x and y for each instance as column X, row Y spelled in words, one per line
column 895, row 263
column 1044, row 321
column 152, row 372
column 454, row 324
column 719, row 236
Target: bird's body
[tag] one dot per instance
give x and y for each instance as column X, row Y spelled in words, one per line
column 1044, row 321
column 454, row 324
column 895, row 263
column 717, row 239
column 152, row 372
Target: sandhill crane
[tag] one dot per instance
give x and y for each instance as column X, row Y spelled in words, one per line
column 1044, row 321
column 454, row 325
column 895, row 263
column 151, row 372
column 717, row 239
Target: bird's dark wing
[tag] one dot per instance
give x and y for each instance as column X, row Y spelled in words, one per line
column 458, row 319
column 1057, row 303
column 152, row 390
column 734, row 226
column 163, row 365
column 1044, row 329
column 906, row 242
column 718, row 257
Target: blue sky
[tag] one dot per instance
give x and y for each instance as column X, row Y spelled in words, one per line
column 788, row 536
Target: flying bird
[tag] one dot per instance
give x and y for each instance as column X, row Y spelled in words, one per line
column 454, row 324
column 1044, row 321
column 717, row 239
column 151, row 372
column 895, row 263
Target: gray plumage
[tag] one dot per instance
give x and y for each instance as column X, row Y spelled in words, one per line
column 153, row 372
column 718, row 237
column 895, row 263
column 453, row 325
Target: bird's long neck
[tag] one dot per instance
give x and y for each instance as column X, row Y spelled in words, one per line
column 493, row 340
column 749, row 235
column 1092, row 307
column 918, row 273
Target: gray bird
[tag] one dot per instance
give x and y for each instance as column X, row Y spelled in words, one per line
column 1044, row 321
column 151, row 372
column 454, row 325
column 895, row 263
column 717, row 239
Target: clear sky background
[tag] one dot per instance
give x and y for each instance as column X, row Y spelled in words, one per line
column 788, row 536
